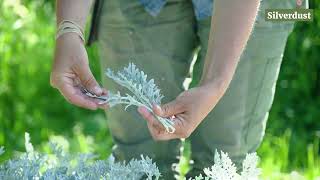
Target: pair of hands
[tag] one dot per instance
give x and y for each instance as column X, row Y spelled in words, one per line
column 71, row 72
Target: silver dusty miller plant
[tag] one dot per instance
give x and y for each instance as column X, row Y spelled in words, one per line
column 224, row 169
column 60, row 165
column 144, row 92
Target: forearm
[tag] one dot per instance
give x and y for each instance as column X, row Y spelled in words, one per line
column 74, row 10
column 231, row 25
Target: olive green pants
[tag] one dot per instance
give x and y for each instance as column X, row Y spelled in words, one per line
column 163, row 47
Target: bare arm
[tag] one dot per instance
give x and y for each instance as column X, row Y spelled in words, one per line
column 74, row 10
column 70, row 69
column 231, row 24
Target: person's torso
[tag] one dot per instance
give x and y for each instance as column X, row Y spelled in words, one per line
column 202, row 10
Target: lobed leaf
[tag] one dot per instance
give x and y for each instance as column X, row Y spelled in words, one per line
column 145, row 92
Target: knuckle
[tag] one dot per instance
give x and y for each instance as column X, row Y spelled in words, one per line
column 90, row 81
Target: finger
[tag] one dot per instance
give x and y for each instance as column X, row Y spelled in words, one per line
column 104, row 92
column 154, row 132
column 148, row 116
column 182, row 130
column 58, row 79
column 103, row 104
column 169, row 109
column 156, row 129
column 166, row 136
column 160, row 135
column 87, row 79
column 76, row 97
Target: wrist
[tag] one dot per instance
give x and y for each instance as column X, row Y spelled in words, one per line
column 215, row 87
column 69, row 27
column 69, row 37
column 217, row 83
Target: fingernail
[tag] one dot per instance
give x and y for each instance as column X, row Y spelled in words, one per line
column 97, row 90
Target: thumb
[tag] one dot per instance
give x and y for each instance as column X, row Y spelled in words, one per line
column 169, row 109
column 88, row 81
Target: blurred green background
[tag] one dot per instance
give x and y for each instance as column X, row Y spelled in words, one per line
column 28, row 103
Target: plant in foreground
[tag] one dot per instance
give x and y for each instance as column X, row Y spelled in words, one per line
column 144, row 92
column 63, row 166
column 60, row 165
column 224, row 169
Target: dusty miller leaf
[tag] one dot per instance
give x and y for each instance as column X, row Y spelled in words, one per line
column 144, row 92
column 249, row 170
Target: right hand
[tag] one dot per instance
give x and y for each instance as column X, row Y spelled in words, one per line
column 71, row 72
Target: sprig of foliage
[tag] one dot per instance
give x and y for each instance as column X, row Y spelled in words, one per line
column 224, row 169
column 145, row 92
column 249, row 170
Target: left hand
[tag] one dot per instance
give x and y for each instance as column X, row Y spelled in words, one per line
column 187, row 111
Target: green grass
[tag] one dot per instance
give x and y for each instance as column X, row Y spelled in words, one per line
column 276, row 162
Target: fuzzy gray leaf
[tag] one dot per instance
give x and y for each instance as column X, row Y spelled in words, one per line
column 145, row 93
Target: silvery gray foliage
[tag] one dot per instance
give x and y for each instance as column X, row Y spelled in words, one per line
column 144, row 92
column 59, row 165
column 249, row 167
column 26, row 167
column 224, row 169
